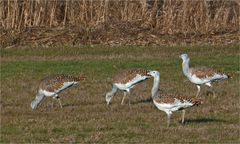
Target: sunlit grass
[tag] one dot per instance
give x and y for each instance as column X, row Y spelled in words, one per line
column 85, row 116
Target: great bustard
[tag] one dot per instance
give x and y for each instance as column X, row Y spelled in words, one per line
column 52, row 85
column 201, row 75
column 170, row 103
column 125, row 81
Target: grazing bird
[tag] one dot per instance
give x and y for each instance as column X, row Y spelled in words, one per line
column 201, row 75
column 51, row 86
column 125, row 81
column 170, row 103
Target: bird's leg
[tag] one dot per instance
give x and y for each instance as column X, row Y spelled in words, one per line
column 183, row 115
column 129, row 99
column 168, row 119
column 213, row 91
column 52, row 105
column 59, row 101
column 198, row 87
column 214, row 94
column 124, row 95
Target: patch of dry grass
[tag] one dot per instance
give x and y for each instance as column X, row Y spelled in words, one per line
column 111, row 22
column 85, row 117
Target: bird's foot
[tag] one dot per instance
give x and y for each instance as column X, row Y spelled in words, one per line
column 183, row 122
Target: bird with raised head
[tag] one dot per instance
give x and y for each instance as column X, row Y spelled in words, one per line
column 201, row 75
column 170, row 103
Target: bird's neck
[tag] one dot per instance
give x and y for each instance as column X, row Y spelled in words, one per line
column 185, row 67
column 156, row 83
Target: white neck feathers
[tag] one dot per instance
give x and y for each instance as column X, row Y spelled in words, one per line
column 185, row 67
column 156, row 83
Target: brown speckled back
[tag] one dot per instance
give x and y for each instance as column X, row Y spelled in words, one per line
column 53, row 83
column 203, row 72
column 171, row 98
column 127, row 75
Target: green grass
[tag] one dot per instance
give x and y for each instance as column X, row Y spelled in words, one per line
column 86, row 117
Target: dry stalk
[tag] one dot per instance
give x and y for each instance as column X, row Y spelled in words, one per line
column 165, row 16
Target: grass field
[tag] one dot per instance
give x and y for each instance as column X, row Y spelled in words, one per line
column 85, row 117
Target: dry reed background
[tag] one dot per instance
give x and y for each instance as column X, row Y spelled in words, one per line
column 194, row 17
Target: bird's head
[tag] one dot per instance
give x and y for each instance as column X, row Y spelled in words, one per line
column 108, row 98
column 154, row 73
column 184, row 56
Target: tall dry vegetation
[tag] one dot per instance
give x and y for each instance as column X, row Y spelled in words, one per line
column 166, row 16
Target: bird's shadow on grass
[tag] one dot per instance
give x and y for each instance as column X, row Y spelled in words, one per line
column 71, row 105
column 203, row 120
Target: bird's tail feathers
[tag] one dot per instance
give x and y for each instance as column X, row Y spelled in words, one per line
column 226, row 76
column 196, row 101
column 229, row 76
column 81, row 77
column 221, row 76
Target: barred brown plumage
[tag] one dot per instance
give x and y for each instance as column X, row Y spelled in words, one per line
column 126, row 80
column 171, row 99
column 52, row 85
column 127, row 75
column 201, row 75
column 170, row 103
